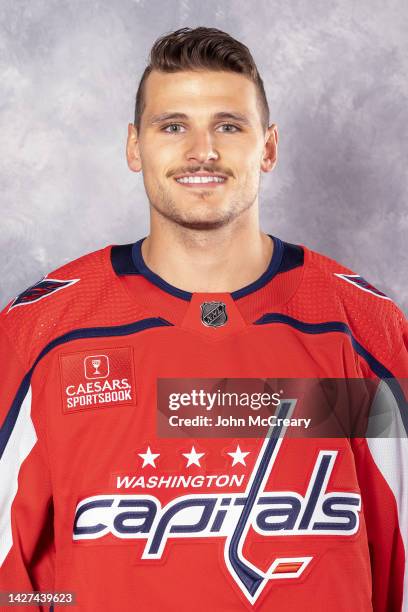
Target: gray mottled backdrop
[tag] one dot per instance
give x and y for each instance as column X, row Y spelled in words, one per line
column 336, row 79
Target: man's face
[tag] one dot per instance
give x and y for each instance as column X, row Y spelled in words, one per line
column 201, row 122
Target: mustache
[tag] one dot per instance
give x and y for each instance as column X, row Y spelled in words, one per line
column 194, row 169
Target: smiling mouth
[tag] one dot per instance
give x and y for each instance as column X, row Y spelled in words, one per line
column 201, row 182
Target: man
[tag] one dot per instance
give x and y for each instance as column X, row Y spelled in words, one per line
column 95, row 500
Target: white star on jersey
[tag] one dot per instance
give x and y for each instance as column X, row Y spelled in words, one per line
column 193, row 457
column 238, row 456
column 148, row 457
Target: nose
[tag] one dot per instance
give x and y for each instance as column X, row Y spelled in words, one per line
column 201, row 147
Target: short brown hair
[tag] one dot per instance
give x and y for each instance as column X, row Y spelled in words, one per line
column 201, row 48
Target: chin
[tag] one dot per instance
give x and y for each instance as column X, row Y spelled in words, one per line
column 187, row 216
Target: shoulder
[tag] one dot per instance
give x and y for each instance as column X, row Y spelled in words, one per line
column 59, row 285
column 65, row 298
column 347, row 285
column 331, row 292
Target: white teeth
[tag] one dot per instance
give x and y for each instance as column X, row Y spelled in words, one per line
column 200, row 179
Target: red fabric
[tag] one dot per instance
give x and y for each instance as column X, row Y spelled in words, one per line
column 84, row 453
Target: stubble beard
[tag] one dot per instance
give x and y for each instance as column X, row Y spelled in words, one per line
column 165, row 205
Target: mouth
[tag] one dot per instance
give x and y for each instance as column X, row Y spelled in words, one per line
column 203, row 181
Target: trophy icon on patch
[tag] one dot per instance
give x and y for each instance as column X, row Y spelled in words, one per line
column 96, row 366
column 96, row 363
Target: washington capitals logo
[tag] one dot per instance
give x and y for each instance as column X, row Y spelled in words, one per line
column 40, row 290
column 232, row 515
column 361, row 283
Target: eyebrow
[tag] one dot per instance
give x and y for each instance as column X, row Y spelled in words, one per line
column 221, row 115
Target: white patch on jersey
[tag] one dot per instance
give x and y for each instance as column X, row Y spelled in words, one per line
column 21, row 441
column 391, row 457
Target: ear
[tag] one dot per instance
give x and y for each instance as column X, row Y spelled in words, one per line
column 132, row 149
column 270, row 151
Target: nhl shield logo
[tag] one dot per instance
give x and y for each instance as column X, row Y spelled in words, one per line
column 213, row 314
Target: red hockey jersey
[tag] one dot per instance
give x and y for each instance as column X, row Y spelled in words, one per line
column 95, row 502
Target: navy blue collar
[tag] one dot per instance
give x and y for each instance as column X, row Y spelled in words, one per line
column 128, row 259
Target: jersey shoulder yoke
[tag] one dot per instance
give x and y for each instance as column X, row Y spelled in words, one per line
column 83, row 293
column 332, row 293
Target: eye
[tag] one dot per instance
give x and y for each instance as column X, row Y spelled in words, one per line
column 165, row 128
column 236, row 129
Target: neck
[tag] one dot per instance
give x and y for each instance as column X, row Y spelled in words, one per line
column 222, row 260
